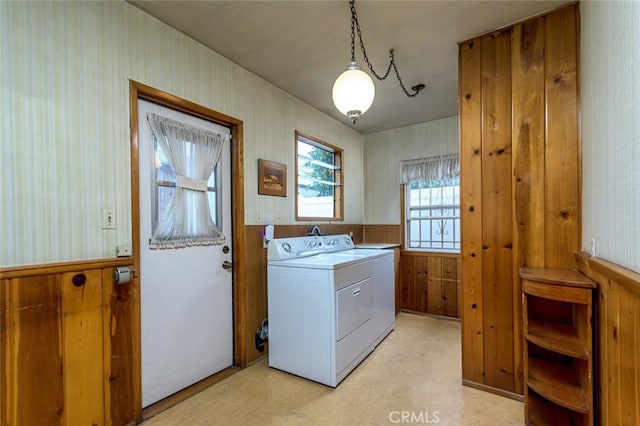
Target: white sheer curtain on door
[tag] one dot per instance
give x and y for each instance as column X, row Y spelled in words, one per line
column 193, row 153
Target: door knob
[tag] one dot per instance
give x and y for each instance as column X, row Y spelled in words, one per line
column 227, row 265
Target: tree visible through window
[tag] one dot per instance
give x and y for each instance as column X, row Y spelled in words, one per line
column 318, row 179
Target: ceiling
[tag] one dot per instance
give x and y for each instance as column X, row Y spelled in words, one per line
column 302, row 46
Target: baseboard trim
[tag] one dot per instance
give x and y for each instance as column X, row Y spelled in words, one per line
column 491, row 389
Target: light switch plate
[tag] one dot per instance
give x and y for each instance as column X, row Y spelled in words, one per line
column 108, row 218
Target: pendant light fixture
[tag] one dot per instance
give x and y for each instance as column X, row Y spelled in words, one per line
column 353, row 91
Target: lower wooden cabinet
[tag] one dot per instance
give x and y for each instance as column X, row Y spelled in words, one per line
column 430, row 283
column 558, row 347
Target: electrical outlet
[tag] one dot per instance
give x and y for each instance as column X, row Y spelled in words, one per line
column 108, row 218
column 593, row 247
column 123, row 251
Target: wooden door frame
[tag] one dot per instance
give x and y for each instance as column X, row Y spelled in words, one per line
column 141, row 91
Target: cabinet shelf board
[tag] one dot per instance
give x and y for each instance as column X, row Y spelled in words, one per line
column 558, row 383
column 544, row 413
column 557, row 337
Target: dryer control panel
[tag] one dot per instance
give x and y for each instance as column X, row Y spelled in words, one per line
column 294, row 247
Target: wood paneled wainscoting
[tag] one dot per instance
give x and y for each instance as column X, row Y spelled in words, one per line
column 68, row 345
column 430, row 283
column 617, row 324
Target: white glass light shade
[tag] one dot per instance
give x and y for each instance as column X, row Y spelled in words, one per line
column 353, row 92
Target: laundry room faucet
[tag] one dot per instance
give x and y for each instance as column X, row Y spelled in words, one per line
column 315, row 231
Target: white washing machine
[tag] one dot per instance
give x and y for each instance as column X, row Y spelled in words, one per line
column 330, row 305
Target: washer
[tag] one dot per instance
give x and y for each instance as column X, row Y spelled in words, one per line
column 329, row 305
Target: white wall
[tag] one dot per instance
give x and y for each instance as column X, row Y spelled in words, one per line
column 610, row 97
column 64, row 152
column 383, row 152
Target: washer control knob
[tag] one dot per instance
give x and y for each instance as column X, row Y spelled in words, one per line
column 286, row 247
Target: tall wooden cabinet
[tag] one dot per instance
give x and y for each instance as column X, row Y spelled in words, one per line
column 558, row 348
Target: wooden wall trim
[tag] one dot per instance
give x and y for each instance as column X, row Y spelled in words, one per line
column 492, row 389
column 61, row 267
column 429, row 254
column 617, row 314
column 626, row 277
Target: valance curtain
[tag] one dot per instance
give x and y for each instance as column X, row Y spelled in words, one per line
column 193, row 153
column 443, row 167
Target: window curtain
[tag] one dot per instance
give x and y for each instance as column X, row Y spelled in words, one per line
column 443, row 167
column 193, row 153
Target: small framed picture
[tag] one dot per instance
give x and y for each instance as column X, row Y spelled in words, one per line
column 272, row 178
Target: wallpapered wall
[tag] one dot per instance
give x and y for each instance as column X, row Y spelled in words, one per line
column 65, row 124
column 610, row 97
column 382, row 155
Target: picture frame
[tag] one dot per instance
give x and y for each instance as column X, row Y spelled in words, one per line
column 272, row 178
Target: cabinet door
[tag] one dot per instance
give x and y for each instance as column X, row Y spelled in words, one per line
column 450, row 287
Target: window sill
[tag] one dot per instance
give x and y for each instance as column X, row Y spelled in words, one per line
column 427, row 252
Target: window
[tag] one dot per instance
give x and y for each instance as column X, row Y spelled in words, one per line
column 165, row 183
column 432, row 203
column 184, row 184
column 318, row 179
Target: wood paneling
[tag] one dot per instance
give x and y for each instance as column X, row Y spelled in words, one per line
column 398, row 284
column 67, row 346
column 519, row 154
column 470, row 96
column 32, row 379
column 450, row 286
column 381, row 234
column 527, row 92
column 562, row 161
column 617, row 340
column 82, row 342
column 496, row 208
column 434, row 285
column 429, row 283
column 256, row 305
column 119, row 306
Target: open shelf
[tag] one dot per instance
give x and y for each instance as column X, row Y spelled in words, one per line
column 558, row 357
column 557, row 337
column 557, row 383
column 544, row 413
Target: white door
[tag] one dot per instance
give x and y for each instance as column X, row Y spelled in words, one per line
column 186, row 295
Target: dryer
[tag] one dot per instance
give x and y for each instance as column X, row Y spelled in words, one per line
column 329, row 305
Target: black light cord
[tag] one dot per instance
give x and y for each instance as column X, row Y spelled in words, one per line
column 355, row 27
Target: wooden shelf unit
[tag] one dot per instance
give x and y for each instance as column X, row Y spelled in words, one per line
column 557, row 308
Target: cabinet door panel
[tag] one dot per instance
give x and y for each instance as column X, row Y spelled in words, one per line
column 450, row 294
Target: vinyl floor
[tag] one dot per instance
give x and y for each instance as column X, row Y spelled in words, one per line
column 413, row 377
